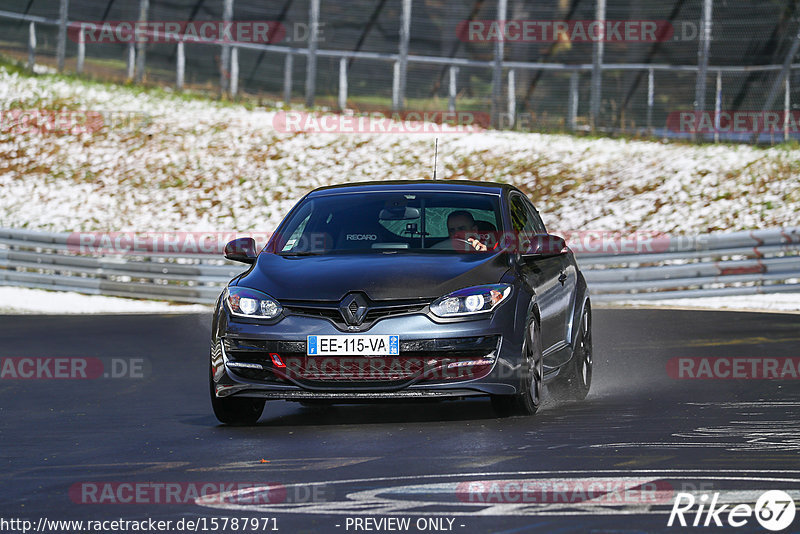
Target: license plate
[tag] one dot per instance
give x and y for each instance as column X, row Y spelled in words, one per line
column 346, row 345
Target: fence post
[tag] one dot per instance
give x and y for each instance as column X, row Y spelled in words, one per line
column 651, row 93
column 597, row 65
column 311, row 64
column 180, row 66
column 234, row 84
column 512, row 99
column 31, row 45
column 343, row 83
column 452, row 89
column 398, row 100
column 61, row 45
column 572, row 111
column 497, row 70
column 225, row 74
column 144, row 6
column 717, row 107
column 131, row 60
column 81, row 52
column 395, row 84
column 288, row 66
column 702, row 57
column 787, row 108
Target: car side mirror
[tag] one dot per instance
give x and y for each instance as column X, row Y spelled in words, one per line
column 242, row 249
column 543, row 245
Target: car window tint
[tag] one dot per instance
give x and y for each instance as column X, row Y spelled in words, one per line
column 384, row 220
column 521, row 218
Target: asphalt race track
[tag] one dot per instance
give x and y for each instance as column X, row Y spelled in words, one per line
column 74, row 448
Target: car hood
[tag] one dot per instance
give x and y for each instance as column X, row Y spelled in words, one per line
column 381, row 276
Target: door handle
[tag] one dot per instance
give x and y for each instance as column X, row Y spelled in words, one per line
column 562, row 278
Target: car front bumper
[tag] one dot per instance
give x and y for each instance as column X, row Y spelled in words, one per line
column 452, row 359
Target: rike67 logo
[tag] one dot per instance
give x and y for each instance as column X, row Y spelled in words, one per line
column 774, row 510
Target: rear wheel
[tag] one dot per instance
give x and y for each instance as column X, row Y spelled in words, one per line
column 576, row 380
column 529, row 397
column 235, row 411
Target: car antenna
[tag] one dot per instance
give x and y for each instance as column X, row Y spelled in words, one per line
column 435, row 156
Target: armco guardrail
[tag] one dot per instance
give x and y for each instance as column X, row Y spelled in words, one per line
column 738, row 263
column 763, row 261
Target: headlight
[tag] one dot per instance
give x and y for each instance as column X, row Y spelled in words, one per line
column 471, row 300
column 246, row 302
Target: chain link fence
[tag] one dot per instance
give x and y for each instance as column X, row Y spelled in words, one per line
column 546, row 72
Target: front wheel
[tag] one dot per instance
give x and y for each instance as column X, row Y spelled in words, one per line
column 236, row 411
column 529, row 397
column 577, row 373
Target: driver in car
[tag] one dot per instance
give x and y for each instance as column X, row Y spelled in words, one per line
column 459, row 224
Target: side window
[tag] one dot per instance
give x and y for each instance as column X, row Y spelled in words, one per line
column 538, row 225
column 521, row 216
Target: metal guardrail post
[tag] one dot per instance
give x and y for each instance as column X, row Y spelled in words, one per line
column 131, row 61
column 180, row 66
column 787, row 108
column 233, row 89
column 651, row 92
column 141, row 45
column 81, row 52
column 718, row 107
column 343, row 84
column 572, row 110
column 395, row 84
column 31, row 45
column 497, row 67
column 225, row 52
column 288, row 67
column 399, row 98
column 512, row 99
column 702, row 57
column 311, row 61
column 61, row 45
column 452, row 92
column 597, row 65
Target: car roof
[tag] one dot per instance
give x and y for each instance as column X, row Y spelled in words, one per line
column 463, row 186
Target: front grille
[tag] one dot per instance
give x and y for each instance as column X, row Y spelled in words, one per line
column 376, row 311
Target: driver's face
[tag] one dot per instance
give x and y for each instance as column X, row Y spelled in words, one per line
column 459, row 224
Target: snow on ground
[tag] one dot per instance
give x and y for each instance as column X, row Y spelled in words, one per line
column 768, row 302
column 18, row 300
column 181, row 164
column 162, row 162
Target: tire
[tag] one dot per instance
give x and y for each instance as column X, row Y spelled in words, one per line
column 527, row 400
column 236, row 411
column 577, row 374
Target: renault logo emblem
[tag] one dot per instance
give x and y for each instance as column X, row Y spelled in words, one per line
column 353, row 308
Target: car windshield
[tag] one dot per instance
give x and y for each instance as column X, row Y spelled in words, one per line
column 392, row 222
